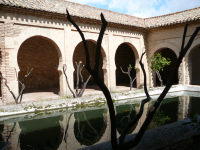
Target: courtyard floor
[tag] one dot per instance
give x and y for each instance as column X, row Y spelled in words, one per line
column 37, row 95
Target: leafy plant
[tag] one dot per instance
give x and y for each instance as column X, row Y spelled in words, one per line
column 130, row 66
column 157, row 63
column 159, row 119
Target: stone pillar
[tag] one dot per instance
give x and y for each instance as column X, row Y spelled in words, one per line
column 182, row 72
column 112, row 67
column 68, row 60
column 10, row 62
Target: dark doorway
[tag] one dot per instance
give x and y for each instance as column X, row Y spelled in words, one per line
column 79, row 55
column 123, row 57
column 195, row 59
column 165, row 74
column 40, row 54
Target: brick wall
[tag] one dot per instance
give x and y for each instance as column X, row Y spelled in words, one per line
column 41, row 55
column 2, row 62
column 123, row 57
column 79, row 55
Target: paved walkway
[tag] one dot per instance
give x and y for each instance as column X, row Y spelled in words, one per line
column 38, row 95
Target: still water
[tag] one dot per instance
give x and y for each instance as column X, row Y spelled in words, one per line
column 80, row 127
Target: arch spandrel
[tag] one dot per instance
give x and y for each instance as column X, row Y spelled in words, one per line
column 55, row 36
column 164, row 45
column 133, row 47
column 79, row 55
column 88, row 37
column 195, row 43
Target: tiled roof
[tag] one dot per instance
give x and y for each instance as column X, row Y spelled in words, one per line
column 75, row 9
column 174, row 18
column 84, row 11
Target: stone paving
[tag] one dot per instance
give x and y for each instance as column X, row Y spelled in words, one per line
column 36, row 95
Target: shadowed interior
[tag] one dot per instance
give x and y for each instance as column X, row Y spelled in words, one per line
column 79, row 55
column 167, row 70
column 123, row 57
column 40, row 54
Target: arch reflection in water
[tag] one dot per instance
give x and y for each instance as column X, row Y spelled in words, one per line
column 125, row 113
column 84, row 128
column 41, row 134
column 89, row 126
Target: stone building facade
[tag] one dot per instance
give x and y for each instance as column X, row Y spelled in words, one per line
column 36, row 34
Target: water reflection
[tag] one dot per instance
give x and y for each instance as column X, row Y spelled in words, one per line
column 1, row 130
column 41, row 133
column 89, row 126
column 169, row 107
column 80, row 129
column 125, row 113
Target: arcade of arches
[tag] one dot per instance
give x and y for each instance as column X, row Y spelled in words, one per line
column 40, row 54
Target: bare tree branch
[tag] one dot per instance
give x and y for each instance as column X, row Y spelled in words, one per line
column 96, row 76
column 64, row 69
column 9, row 88
column 129, row 75
column 78, row 92
column 138, row 116
column 22, row 90
column 77, row 77
column 104, row 89
column 83, row 39
column 165, row 91
column 84, row 86
column 66, row 134
column 22, row 84
column 160, row 79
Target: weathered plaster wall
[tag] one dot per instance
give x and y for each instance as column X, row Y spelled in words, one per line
column 17, row 28
column 171, row 37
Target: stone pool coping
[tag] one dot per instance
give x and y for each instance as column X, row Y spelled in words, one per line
column 167, row 137
column 136, row 96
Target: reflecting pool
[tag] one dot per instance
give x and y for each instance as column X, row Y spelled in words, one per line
column 65, row 129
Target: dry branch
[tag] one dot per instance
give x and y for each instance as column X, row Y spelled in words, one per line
column 94, row 72
column 106, row 92
column 22, row 83
column 129, row 75
column 80, row 92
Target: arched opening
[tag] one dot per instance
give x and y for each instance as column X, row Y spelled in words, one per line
column 89, row 126
column 123, row 57
column 167, row 70
column 194, row 62
column 43, row 133
column 79, row 55
column 42, row 55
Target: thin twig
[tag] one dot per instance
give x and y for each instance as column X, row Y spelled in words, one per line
column 64, row 69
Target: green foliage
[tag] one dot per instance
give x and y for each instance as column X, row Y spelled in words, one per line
column 130, row 66
column 159, row 119
column 136, row 69
column 157, row 62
